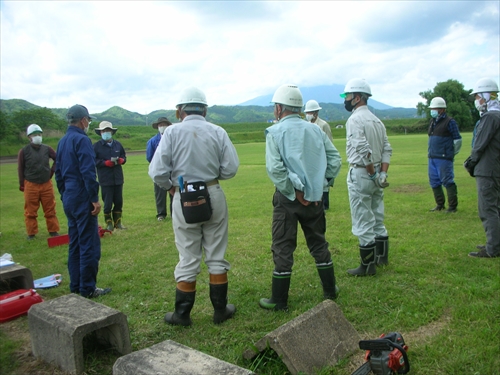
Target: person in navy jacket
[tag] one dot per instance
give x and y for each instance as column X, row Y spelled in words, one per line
column 110, row 156
column 160, row 194
column 76, row 182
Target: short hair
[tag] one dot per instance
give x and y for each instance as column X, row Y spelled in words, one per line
column 290, row 108
column 193, row 108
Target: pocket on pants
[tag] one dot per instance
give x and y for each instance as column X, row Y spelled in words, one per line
column 279, row 221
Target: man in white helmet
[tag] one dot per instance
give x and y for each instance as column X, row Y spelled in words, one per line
column 312, row 111
column 301, row 162
column 193, row 156
column 35, row 182
column 368, row 153
column 445, row 142
column 484, row 165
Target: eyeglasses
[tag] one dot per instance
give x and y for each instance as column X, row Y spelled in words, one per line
column 89, row 120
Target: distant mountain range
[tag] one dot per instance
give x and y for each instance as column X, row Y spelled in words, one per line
column 258, row 109
column 322, row 94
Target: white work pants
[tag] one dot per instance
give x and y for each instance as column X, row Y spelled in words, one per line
column 210, row 235
column 367, row 206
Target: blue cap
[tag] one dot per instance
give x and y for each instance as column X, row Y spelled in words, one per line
column 77, row 112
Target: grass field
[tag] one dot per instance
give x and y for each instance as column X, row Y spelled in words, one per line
column 446, row 305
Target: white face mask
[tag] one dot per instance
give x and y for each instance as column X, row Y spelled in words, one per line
column 434, row 113
column 480, row 107
column 161, row 129
column 309, row 117
column 37, row 139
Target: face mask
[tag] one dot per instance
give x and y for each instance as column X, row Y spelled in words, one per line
column 348, row 105
column 106, row 136
column 309, row 117
column 37, row 139
column 161, row 129
column 480, row 107
column 434, row 113
column 86, row 130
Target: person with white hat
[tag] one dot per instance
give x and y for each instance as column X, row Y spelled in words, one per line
column 160, row 194
column 368, row 154
column 301, row 162
column 311, row 110
column 484, row 165
column 193, row 156
column 35, row 182
column 110, row 156
column 445, row 142
column 79, row 189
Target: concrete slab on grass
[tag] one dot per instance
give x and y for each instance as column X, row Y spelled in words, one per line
column 58, row 327
column 320, row 337
column 172, row 358
column 15, row 277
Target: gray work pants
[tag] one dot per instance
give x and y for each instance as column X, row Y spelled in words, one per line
column 488, row 204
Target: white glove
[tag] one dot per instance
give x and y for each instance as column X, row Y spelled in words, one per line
column 381, row 180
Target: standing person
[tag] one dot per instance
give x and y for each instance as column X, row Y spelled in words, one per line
column 484, row 164
column 110, row 156
column 301, row 162
column 79, row 189
column 35, row 176
column 312, row 111
column 160, row 194
column 445, row 142
column 196, row 150
column 368, row 153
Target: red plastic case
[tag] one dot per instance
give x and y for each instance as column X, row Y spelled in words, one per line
column 17, row 303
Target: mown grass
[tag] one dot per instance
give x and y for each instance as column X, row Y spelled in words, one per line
column 444, row 303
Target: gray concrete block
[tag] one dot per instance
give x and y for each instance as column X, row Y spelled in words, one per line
column 172, row 358
column 320, row 337
column 15, row 277
column 58, row 327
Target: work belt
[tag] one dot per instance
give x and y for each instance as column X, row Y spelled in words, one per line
column 363, row 166
column 209, row 183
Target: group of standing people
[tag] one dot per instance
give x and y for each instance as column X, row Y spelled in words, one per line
column 189, row 158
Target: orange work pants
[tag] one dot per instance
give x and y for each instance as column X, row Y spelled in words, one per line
column 33, row 195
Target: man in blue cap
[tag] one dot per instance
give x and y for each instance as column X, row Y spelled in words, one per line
column 78, row 186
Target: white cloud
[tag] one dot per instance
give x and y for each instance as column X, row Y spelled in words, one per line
column 140, row 55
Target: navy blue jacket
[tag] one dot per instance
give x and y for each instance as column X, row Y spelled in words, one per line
column 75, row 167
column 442, row 132
column 109, row 176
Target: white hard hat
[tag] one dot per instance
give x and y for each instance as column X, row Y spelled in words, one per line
column 437, row 102
column 357, row 85
column 33, row 128
column 192, row 95
column 311, row 106
column 485, row 85
column 288, row 94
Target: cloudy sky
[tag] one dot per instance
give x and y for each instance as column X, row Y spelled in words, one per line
column 139, row 55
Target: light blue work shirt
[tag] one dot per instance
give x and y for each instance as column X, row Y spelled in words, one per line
column 299, row 156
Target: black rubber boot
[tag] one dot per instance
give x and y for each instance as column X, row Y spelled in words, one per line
column 452, row 198
column 117, row 218
column 382, row 250
column 439, row 198
column 222, row 310
column 279, row 298
column 327, row 277
column 367, row 266
column 109, row 222
column 184, row 302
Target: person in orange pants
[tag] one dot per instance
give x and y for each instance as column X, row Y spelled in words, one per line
column 35, row 181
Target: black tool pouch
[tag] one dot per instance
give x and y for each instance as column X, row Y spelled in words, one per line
column 195, row 202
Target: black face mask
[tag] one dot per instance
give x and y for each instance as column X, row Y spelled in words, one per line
column 348, row 105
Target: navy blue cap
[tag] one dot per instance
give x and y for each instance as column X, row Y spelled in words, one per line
column 77, row 112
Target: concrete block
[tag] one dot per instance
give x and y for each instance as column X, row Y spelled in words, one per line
column 58, row 327
column 320, row 337
column 172, row 358
column 15, row 277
